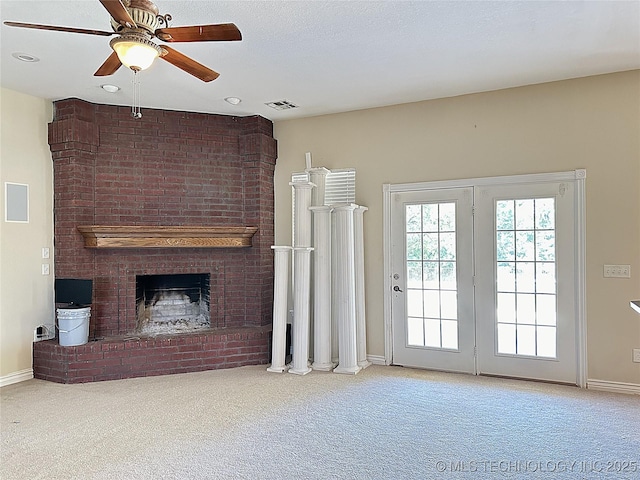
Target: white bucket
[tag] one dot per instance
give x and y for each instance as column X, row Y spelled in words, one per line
column 73, row 326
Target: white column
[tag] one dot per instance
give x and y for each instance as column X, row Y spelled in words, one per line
column 361, row 325
column 322, row 288
column 301, row 214
column 301, row 297
column 334, row 297
column 302, row 237
column 318, row 176
column 345, row 289
column 280, row 288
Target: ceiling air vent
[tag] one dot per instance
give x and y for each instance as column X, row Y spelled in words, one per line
column 281, row 105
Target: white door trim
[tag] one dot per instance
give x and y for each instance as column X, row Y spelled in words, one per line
column 577, row 176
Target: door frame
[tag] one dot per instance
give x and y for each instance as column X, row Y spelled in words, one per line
column 578, row 178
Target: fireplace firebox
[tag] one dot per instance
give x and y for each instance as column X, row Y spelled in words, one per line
column 173, row 303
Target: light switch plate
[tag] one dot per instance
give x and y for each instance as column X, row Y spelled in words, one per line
column 617, row 271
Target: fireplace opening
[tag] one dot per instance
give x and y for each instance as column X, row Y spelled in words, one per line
column 174, row 303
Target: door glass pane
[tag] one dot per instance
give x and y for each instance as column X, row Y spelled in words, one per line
column 545, row 277
column 506, row 308
column 431, row 275
column 448, row 304
column 526, row 277
column 415, row 331
column 506, row 276
column 432, row 333
column 505, row 213
column 545, row 246
column 525, row 246
column 449, row 334
column 431, row 304
column 429, row 217
column 545, row 309
column 506, row 246
column 414, row 274
column 414, row 246
column 447, row 246
column 507, row 338
column 448, row 275
column 413, row 218
column 431, row 247
column 526, row 340
column 546, row 341
column 524, row 214
column 432, row 290
column 414, row 302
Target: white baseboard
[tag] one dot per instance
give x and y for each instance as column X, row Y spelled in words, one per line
column 376, row 359
column 15, row 377
column 616, row 387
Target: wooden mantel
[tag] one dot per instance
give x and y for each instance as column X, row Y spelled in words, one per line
column 138, row 236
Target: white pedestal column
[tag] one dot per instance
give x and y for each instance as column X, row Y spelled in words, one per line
column 345, row 289
column 301, row 214
column 361, row 325
column 318, row 176
column 322, row 288
column 280, row 289
column 334, row 297
column 301, row 298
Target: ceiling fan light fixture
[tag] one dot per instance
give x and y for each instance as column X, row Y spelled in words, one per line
column 136, row 53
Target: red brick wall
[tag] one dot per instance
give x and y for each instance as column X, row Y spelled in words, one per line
column 168, row 168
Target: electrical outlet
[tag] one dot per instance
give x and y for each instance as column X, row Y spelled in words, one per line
column 44, row 332
column 636, row 355
column 617, row 271
column 45, row 269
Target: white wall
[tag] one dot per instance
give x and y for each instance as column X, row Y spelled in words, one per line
column 591, row 123
column 26, row 296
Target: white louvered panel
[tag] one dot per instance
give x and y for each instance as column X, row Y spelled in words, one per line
column 340, row 186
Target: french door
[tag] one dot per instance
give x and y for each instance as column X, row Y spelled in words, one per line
column 432, row 255
column 483, row 280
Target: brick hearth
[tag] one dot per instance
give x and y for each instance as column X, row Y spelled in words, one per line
column 116, row 358
column 167, row 169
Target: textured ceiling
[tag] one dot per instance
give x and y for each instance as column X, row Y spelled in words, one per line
column 328, row 56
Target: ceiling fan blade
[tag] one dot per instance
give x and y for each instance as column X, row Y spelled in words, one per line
column 119, row 13
column 109, row 67
column 58, row 29
column 222, row 32
column 189, row 65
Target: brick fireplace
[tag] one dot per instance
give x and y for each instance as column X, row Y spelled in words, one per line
column 201, row 178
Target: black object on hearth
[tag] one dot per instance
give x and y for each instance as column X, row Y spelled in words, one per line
column 73, row 292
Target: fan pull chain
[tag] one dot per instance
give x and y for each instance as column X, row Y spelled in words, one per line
column 135, row 107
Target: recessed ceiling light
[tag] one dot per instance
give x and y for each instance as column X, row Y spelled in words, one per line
column 281, row 105
column 110, row 88
column 232, row 100
column 25, row 57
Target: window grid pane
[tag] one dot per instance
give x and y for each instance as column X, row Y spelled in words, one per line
column 526, row 277
column 432, row 297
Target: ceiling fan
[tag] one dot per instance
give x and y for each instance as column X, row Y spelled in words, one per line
column 136, row 23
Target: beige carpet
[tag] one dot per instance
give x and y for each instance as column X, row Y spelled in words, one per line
column 384, row 423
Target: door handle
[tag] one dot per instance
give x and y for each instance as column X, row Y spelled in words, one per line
column 396, row 288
